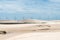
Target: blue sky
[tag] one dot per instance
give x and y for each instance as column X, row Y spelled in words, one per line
column 36, row 9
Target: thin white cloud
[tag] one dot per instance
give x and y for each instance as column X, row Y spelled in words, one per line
column 15, row 6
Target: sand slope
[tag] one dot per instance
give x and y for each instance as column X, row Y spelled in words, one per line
column 48, row 30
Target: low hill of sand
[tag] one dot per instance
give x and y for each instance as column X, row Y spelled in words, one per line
column 49, row 30
column 28, row 21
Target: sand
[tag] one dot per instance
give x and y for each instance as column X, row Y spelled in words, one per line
column 49, row 31
column 37, row 36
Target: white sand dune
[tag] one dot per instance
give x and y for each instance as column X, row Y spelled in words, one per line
column 47, row 30
column 37, row 36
